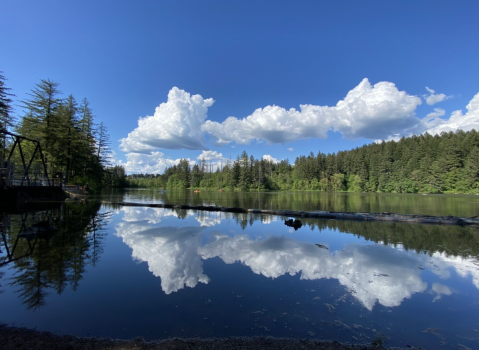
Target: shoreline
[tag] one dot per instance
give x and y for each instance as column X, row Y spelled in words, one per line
column 20, row 338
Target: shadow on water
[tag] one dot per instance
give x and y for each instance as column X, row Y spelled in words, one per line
column 51, row 258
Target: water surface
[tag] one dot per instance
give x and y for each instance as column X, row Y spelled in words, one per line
column 456, row 205
column 123, row 272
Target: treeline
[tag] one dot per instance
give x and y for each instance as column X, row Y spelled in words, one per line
column 426, row 164
column 74, row 145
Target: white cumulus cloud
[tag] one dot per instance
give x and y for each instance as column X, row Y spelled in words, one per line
column 269, row 158
column 368, row 111
column 438, row 112
column 213, row 159
column 291, row 149
column 153, row 163
column 465, row 122
column 434, row 98
column 176, row 124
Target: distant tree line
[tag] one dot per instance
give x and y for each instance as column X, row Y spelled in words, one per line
column 448, row 162
column 73, row 143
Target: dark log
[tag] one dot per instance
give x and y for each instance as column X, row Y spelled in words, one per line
column 388, row 217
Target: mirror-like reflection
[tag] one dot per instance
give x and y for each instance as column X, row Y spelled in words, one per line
column 371, row 273
column 131, row 271
column 51, row 259
column 456, row 205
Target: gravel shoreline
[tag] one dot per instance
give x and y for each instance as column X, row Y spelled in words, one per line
column 23, row 338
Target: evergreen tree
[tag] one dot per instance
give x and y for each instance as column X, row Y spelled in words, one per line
column 7, row 120
column 472, row 169
column 42, row 110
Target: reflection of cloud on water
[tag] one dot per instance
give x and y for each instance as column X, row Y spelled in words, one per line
column 440, row 290
column 151, row 215
column 210, row 218
column 440, row 262
column 372, row 273
column 171, row 253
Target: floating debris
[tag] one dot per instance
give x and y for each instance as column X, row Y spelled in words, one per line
column 317, row 298
column 388, row 217
column 296, row 224
column 311, row 334
column 381, row 275
column 463, row 347
column 338, row 323
column 434, row 331
column 321, row 246
column 330, row 307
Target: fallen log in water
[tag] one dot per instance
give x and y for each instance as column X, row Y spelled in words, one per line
column 388, row 217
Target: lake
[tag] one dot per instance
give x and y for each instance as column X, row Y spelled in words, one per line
column 122, row 272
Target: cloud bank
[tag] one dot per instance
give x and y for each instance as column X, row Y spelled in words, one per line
column 376, row 112
column 465, row 122
column 153, row 163
column 367, row 111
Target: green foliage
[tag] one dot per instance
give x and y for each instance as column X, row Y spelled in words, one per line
column 447, row 162
column 72, row 144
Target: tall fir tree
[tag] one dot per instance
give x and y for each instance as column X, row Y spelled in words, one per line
column 7, row 120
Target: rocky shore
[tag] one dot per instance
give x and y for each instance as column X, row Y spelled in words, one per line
column 23, row 339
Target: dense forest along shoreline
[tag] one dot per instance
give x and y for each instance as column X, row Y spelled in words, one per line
column 387, row 217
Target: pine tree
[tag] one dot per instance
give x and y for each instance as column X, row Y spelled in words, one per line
column 42, row 110
column 67, row 136
column 7, row 120
column 472, row 168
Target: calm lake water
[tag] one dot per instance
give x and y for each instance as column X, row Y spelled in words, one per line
column 456, row 205
column 123, row 272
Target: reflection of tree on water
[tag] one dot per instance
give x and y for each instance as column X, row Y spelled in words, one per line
column 60, row 259
column 452, row 240
column 315, row 200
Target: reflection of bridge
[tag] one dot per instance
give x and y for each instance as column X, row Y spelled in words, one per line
column 30, row 233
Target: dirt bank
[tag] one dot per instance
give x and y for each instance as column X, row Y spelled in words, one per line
column 22, row 338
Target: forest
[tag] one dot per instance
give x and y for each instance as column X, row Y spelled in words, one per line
column 74, row 145
column 446, row 163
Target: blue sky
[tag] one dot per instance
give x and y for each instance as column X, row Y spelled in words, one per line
column 255, row 60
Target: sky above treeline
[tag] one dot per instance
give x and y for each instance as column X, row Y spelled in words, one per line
column 279, row 79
